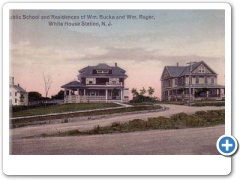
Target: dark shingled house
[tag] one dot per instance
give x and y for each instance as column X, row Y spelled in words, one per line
column 101, row 83
column 203, row 82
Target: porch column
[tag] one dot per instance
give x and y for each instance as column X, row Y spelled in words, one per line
column 217, row 92
column 176, row 94
column 106, row 92
column 121, row 94
column 168, row 95
column 207, row 93
column 65, row 92
column 78, row 93
column 192, row 94
column 84, row 92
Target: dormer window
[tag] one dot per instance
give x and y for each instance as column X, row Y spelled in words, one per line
column 102, row 71
column 201, row 69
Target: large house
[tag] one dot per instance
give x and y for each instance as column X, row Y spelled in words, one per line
column 17, row 95
column 202, row 85
column 101, row 83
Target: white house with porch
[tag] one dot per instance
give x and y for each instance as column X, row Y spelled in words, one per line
column 101, row 83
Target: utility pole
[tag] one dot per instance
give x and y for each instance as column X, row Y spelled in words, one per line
column 190, row 81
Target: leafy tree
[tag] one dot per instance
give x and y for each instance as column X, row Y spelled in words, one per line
column 142, row 91
column 150, row 91
column 134, row 92
column 59, row 95
column 34, row 96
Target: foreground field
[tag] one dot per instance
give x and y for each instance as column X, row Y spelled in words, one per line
column 193, row 141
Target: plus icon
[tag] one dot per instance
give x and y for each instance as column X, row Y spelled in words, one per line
column 227, row 145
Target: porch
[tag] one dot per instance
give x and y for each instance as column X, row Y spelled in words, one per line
column 195, row 94
column 93, row 95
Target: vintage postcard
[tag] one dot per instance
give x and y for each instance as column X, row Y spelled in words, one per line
column 102, row 79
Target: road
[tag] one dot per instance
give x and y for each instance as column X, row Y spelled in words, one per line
column 128, row 143
column 198, row 141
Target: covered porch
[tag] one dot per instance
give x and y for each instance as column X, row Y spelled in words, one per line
column 76, row 92
column 196, row 93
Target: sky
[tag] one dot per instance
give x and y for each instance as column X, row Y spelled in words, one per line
column 142, row 47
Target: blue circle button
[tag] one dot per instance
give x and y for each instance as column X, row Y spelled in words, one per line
column 227, row 145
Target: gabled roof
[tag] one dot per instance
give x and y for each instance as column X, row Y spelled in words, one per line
column 18, row 88
column 73, row 84
column 177, row 71
column 116, row 71
column 187, row 68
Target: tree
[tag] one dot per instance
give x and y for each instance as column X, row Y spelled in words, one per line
column 134, row 92
column 59, row 95
column 150, row 91
column 142, row 91
column 34, row 96
column 47, row 82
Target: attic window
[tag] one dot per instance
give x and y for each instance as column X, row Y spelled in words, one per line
column 201, row 69
column 102, row 71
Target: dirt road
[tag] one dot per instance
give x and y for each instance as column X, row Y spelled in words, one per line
column 191, row 141
column 80, row 124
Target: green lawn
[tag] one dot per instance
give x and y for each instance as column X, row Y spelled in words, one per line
column 14, row 123
column 62, row 108
column 176, row 121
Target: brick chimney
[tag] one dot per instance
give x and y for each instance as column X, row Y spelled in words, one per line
column 115, row 64
column 177, row 64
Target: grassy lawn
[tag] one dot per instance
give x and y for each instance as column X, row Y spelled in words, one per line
column 176, row 121
column 14, row 123
column 196, row 103
column 62, row 108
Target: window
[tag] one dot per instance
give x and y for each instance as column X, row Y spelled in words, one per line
column 201, row 69
column 90, row 82
column 212, row 80
column 197, row 79
column 15, row 93
column 15, row 100
column 206, row 79
column 113, row 82
column 102, row 71
column 176, row 82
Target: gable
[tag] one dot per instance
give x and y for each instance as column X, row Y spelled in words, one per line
column 203, row 68
column 165, row 74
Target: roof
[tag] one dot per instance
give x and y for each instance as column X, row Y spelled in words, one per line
column 18, row 88
column 176, row 71
column 73, row 84
column 116, row 71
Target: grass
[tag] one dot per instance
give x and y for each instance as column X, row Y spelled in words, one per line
column 196, row 103
column 14, row 123
column 62, row 108
column 176, row 121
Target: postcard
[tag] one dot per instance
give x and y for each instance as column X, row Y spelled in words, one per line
column 117, row 89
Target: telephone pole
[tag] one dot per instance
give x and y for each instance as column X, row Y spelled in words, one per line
column 190, row 81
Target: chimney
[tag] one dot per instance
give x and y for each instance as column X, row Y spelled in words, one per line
column 115, row 64
column 12, row 80
column 18, row 84
column 177, row 64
